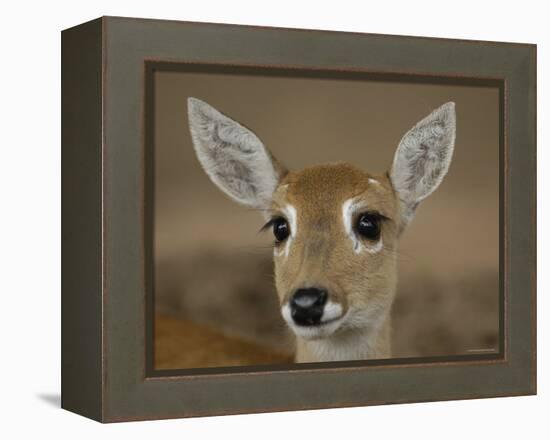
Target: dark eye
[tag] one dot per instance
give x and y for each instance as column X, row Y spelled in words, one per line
column 368, row 226
column 281, row 230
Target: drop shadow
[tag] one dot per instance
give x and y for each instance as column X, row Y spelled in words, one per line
column 52, row 399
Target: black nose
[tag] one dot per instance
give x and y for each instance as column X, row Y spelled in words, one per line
column 306, row 305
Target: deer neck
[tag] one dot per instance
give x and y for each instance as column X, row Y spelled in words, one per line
column 373, row 342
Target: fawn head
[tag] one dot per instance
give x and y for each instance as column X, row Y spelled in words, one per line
column 335, row 226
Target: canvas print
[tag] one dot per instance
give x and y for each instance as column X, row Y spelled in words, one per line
column 312, row 219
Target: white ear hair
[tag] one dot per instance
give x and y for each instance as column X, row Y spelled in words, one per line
column 232, row 156
column 423, row 157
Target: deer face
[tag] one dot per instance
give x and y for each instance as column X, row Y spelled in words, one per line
column 335, row 234
column 335, row 226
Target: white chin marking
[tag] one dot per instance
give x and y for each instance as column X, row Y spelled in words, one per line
column 349, row 207
column 331, row 312
column 331, row 320
column 287, row 316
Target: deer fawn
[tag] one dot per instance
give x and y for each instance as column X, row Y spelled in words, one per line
column 336, row 227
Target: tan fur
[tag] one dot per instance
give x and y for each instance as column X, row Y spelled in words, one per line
column 321, row 254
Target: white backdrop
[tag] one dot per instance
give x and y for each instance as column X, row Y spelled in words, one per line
column 30, row 218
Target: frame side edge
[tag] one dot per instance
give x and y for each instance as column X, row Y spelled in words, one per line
column 81, row 217
column 534, row 76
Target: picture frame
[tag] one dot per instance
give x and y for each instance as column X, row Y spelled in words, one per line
column 107, row 270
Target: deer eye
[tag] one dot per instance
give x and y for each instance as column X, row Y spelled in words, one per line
column 281, row 229
column 368, row 226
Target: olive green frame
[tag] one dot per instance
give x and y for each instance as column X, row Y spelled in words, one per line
column 107, row 201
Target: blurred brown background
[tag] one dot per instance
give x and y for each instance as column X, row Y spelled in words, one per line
column 215, row 301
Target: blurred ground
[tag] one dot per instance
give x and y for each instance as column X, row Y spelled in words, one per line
column 184, row 344
column 219, row 310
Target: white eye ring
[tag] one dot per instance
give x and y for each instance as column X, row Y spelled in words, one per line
column 349, row 208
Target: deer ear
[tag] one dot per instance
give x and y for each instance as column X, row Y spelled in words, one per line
column 423, row 158
column 233, row 156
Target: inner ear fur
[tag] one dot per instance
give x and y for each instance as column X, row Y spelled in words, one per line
column 423, row 157
column 233, row 156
